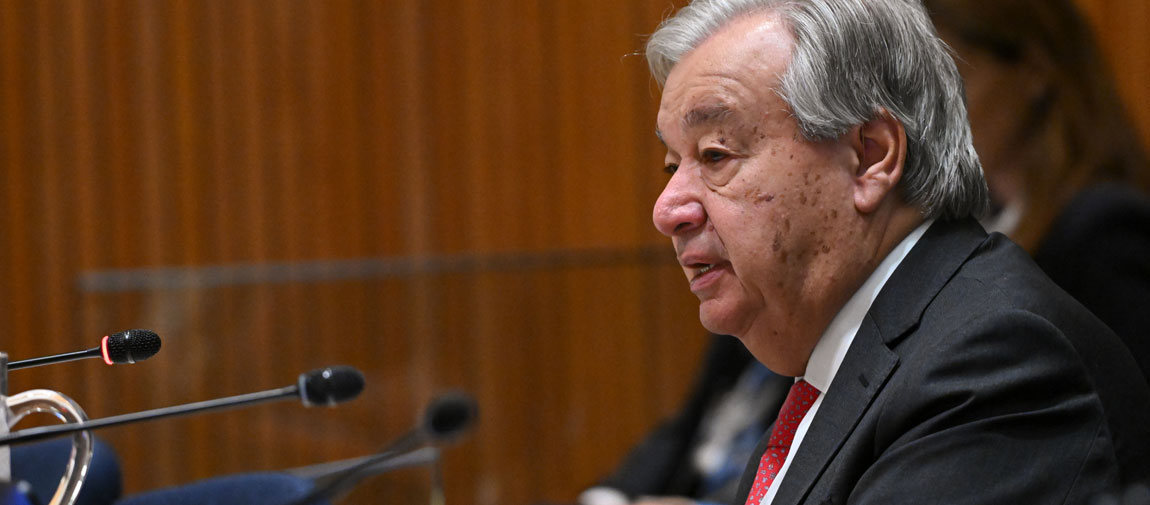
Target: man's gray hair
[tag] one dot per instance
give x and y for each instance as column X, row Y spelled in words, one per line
column 851, row 60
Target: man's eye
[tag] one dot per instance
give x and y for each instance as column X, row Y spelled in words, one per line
column 712, row 156
column 671, row 168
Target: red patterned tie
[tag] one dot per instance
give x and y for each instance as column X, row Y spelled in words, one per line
column 799, row 401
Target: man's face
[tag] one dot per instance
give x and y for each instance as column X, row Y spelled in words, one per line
column 760, row 218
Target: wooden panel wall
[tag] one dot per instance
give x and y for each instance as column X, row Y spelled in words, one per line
column 1121, row 28
column 445, row 194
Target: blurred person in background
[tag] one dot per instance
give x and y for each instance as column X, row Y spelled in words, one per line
column 1067, row 174
column 699, row 453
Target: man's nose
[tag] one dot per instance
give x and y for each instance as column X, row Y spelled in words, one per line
column 678, row 209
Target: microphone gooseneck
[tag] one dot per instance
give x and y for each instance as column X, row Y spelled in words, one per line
column 120, row 348
column 339, row 386
column 446, row 418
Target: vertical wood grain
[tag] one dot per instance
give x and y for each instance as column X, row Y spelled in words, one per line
column 1121, row 30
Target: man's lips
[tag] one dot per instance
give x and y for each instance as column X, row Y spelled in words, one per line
column 703, row 274
column 704, row 269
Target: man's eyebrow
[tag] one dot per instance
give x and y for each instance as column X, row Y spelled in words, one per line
column 706, row 114
column 700, row 116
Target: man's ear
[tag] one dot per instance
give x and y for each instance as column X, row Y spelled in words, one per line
column 880, row 145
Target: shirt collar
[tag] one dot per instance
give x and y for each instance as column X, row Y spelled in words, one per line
column 834, row 342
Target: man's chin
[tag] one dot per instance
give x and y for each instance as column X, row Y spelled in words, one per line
column 716, row 319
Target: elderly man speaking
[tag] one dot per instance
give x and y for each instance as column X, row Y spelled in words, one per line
column 821, row 202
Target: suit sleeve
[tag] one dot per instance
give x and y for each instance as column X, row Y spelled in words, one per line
column 1099, row 252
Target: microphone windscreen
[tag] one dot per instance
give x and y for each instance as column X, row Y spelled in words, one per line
column 450, row 415
column 129, row 346
column 331, row 385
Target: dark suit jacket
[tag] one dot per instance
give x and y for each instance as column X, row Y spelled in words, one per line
column 1098, row 250
column 974, row 379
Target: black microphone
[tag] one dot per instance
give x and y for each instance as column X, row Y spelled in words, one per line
column 116, row 349
column 324, row 386
column 447, row 418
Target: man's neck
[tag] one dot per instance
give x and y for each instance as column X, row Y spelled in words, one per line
column 836, row 339
column 882, row 232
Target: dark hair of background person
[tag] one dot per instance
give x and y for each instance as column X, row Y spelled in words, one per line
column 1074, row 131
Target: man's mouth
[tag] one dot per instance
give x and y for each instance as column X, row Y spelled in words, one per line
column 700, row 270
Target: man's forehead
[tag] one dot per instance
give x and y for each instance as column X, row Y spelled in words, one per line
column 736, row 69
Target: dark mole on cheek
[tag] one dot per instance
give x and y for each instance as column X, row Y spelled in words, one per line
column 834, row 213
column 792, row 156
column 758, row 195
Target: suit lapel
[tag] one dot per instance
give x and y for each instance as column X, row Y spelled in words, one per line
column 861, row 376
column 922, row 274
column 870, row 360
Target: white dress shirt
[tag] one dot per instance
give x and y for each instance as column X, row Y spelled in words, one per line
column 833, row 344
